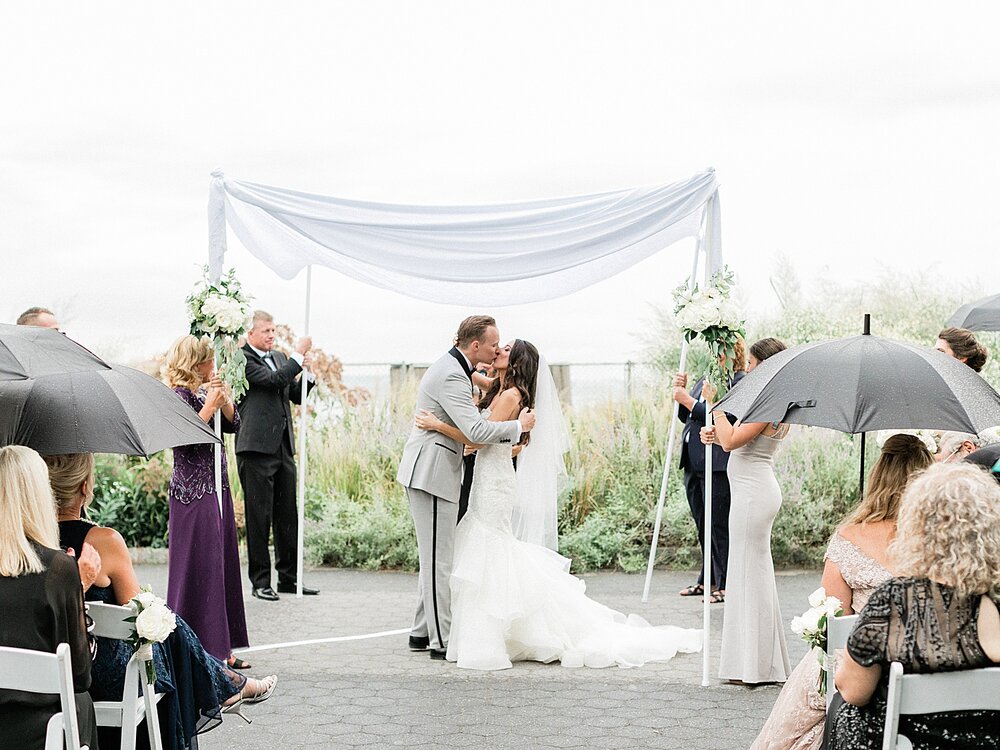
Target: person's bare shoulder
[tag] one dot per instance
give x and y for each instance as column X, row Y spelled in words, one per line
column 508, row 403
column 107, row 541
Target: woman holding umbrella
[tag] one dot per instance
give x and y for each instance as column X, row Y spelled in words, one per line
column 963, row 345
column 753, row 637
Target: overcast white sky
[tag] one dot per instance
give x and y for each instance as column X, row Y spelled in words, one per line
column 852, row 138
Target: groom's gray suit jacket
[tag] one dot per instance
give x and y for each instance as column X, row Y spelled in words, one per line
column 432, row 462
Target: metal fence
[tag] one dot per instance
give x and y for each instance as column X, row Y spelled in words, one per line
column 580, row 384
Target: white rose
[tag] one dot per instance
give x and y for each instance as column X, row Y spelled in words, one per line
column 816, row 597
column 831, row 605
column 729, row 315
column 145, row 598
column 211, row 306
column 810, row 619
column 155, row 622
column 797, row 625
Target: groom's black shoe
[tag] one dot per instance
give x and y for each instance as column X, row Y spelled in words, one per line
column 419, row 643
column 289, row 588
column 439, row 654
column 266, row 593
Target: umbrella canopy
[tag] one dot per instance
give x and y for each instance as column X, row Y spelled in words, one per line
column 865, row 383
column 981, row 315
column 30, row 352
column 111, row 410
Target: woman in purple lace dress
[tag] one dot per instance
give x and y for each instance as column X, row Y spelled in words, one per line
column 204, row 565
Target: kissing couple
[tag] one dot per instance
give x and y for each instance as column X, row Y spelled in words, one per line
column 485, row 598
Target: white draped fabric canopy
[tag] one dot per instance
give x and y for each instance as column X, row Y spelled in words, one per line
column 503, row 254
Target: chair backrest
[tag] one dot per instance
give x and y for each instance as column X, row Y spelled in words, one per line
column 837, row 631
column 45, row 673
column 928, row 693
column 109, row 620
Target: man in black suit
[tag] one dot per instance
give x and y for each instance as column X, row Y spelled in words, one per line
column 265, row 457
column 692, row 413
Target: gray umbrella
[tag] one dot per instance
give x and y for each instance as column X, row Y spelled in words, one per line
column 865, row 383
column 111, row 410
column 29, row 352
column 981, row 315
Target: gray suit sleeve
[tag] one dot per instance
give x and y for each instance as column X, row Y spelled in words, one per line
column 456, row 400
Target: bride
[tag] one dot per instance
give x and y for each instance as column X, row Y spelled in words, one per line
column 516, row 601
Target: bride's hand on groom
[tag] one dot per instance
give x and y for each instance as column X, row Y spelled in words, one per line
column 425, row 420
column 527, row 419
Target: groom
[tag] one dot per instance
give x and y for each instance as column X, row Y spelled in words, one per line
column 431, row 471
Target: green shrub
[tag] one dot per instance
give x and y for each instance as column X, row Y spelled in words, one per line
column 130, row 496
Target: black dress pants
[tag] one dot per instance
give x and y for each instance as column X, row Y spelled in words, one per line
column 268, row 481
column 694, row 484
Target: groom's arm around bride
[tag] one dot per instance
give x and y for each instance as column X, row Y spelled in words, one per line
column 431, row 469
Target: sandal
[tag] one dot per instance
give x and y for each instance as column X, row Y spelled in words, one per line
column 259, row 690
column 696, row 590
column 717, row 597
column 236, row 662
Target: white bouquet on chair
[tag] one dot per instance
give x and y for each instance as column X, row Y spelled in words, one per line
column 222, row 311
column 712, row 314
column 153, row 623
column 811, row 627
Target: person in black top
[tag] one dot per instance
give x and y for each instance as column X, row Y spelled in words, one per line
column 41, row 599
column 691, row 412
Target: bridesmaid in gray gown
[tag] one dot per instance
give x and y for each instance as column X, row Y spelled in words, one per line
column 753, row 633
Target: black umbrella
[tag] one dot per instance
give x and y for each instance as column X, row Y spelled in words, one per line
column 111, row 410
column 865, row 383
column 981, row 315
column 29, row 352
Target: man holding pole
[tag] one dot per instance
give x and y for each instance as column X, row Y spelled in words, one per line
column 265, row 456
column 692, row 414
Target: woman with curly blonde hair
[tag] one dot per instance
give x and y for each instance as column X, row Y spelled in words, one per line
column 204, row 565
column 940, row 615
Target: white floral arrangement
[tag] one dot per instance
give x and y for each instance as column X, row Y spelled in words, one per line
column 154, row 622
column 811, row 627
column 928, row 437
column 712, row 314
column 222, row 311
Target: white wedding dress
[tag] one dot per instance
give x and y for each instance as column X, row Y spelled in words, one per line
column 515, row 601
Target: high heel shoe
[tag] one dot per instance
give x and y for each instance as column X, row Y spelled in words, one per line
column 261, row 691
column 236, row 708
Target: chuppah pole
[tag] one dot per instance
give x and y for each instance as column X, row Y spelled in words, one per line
column 670, row 450
column 707, row 525
column 303, row 466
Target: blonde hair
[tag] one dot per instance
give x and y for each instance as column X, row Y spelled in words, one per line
column 184, row 355
column 949, row 529
column 903, row 456
column 66, row 474
column 27, row 513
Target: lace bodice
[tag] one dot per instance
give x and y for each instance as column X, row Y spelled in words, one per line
column 494, row 486
column 859, row 571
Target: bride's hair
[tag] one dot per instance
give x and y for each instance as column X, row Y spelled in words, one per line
column 522, row 373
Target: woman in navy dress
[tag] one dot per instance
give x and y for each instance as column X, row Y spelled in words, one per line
column 204, row 563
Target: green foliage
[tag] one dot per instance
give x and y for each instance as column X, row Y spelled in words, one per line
column 357, row 515
column 130, row 495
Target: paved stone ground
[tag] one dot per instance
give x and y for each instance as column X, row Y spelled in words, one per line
column 376, row 693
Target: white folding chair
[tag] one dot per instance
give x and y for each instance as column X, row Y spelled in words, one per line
column 50, row 674
column 127, row 713
column 837, row 631
column 931, row 693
